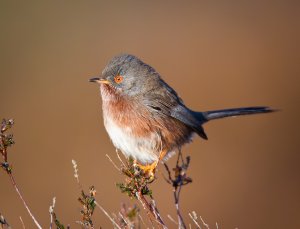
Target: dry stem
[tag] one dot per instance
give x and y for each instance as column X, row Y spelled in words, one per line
column 108, row 216
column 139, row 181
column 23, row 200
column 6, row 140
column 23, row 225
column 180, row 179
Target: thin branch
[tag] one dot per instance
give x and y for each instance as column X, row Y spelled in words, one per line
column 51, row 210
column 194, row 217
column 23, row 200
column 5, row 141
column 155, row 210
column 169, row 174
column 125, row 220
column 195, row 221
column 172, row 220
column 205, row 224
column 120, row 158
column 151, row 210
column 146, row 207
column 117, row 168
column 108, row 216
column 141, row 218
column 22, row 222
column 180, row 179
column 180, row 218
column 137, row 191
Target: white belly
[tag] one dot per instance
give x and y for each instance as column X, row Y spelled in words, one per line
column 144, row 150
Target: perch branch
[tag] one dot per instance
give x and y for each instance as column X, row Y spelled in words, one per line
column 5, row 141
column 180, row 179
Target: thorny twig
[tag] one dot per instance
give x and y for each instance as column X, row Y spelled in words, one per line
column 5, row 142
column 180, row 179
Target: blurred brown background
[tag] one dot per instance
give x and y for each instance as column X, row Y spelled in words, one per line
column 216, row 55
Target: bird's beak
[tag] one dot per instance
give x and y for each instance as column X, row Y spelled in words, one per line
column 98, row 80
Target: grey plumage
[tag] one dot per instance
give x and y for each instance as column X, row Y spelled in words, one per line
column 158, row 107
column 162, row 99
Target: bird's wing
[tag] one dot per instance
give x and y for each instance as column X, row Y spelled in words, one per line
column 165, row 101
column 185, row 115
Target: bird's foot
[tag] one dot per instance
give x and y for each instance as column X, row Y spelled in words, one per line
column 148, row 170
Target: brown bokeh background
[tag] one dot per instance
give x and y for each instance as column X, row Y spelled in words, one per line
column 216, row 55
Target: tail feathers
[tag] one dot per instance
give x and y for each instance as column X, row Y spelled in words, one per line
column 210, row 115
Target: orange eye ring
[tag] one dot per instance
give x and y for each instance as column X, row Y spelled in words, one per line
column 118, row 79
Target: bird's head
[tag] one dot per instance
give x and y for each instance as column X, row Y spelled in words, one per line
column 127, row 75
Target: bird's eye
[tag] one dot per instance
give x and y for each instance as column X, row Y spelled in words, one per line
column 118, row 79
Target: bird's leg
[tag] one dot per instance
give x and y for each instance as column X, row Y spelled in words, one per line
column 162, row 154
column 150, row 169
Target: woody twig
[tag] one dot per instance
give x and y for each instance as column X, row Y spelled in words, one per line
column 6, row 140
column 136, row 186
column 180, row 179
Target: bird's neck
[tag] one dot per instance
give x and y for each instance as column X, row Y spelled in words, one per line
column 109, row 94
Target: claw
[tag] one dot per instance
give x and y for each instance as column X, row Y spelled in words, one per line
column 149, row 170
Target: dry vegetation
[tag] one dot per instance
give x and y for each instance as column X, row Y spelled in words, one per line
column 135, row 186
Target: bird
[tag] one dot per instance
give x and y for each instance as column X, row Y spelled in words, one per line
column 145, row 118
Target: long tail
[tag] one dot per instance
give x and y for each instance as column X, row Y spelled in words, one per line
column 210, row 115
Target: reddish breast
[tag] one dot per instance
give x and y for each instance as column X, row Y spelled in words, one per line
column 133, row 116
column 127, row 113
